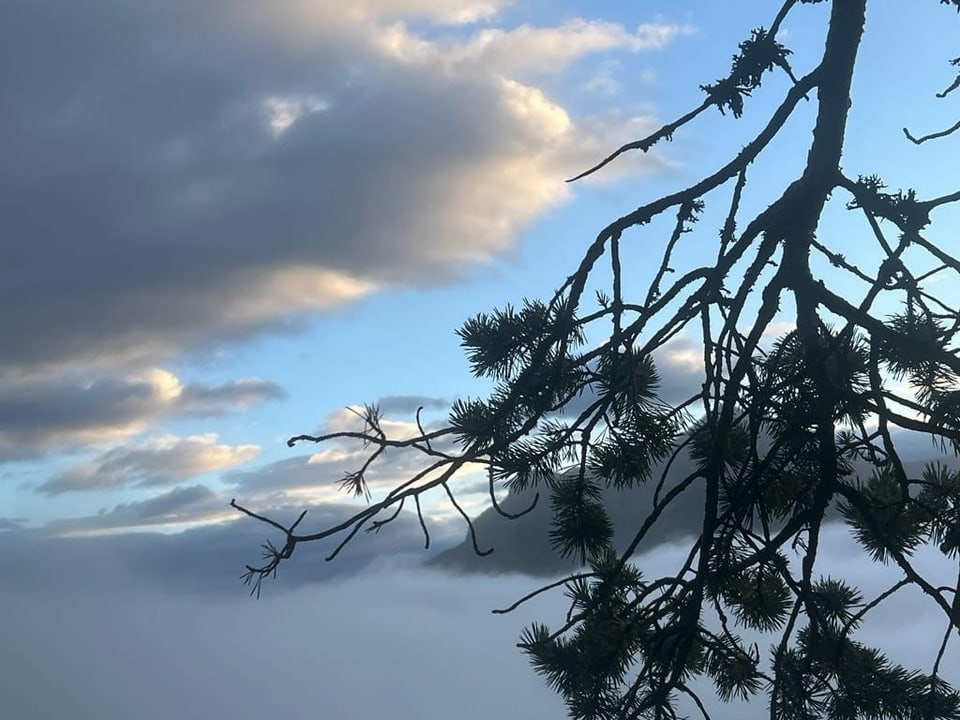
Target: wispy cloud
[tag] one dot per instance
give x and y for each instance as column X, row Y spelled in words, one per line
column 46, row 413
column 160, row 461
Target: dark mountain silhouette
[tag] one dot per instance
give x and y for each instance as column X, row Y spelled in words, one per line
column 523, row 545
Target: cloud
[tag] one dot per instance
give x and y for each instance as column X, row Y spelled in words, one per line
column 317, row 477
column 216, row 400
column 304, row 480
column 203, row 559
column 451, row 12
column 179, row 175
column 296, row 473
column 404, row 405
column 160, row 461
column 527, row 49
column 85, row 607
column 115, row 655
column 776, row 330
column 275, row 489
column 49, row 413
column 605, row 82
column 8, row 524
column 177, row 507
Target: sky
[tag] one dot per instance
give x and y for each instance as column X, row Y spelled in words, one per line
column 225, row 223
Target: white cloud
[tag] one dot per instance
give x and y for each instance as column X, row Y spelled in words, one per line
column 316, row 478
column 451, row 12
column 605, row 82
column 48, row 413
column 282, row 112
column 550, row 49
column 776, row 330
column 313, row 15
column 351, row 419
column 164, row 460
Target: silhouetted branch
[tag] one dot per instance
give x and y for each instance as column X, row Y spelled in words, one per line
column 420, row 428
column 496, row 505
column 667, row 131
column 539, row 591
column 423, row 524
column 932, row 136
column 254, row 575
column 378, row 524
column 664, row 133
column 466, row 518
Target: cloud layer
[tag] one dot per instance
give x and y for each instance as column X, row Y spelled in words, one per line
column 56, row 413
column 158, row 627
column 161, row 461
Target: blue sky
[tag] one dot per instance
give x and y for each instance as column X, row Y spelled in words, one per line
column 221, row 223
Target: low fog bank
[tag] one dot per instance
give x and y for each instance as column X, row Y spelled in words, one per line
column 387, row 641
column 208, row 559
column 391, row 643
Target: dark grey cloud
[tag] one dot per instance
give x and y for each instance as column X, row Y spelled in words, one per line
column 163, row 461
column 178, row 173
column 170, row 506
column 404, row 407
column 917, row 447
column 30, row 410
column 180, row 505
column 7, row 524
column 49, row 413
column 523, row 546
column 216, row 400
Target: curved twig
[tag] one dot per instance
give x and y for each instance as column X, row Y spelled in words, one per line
column 472, row 530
